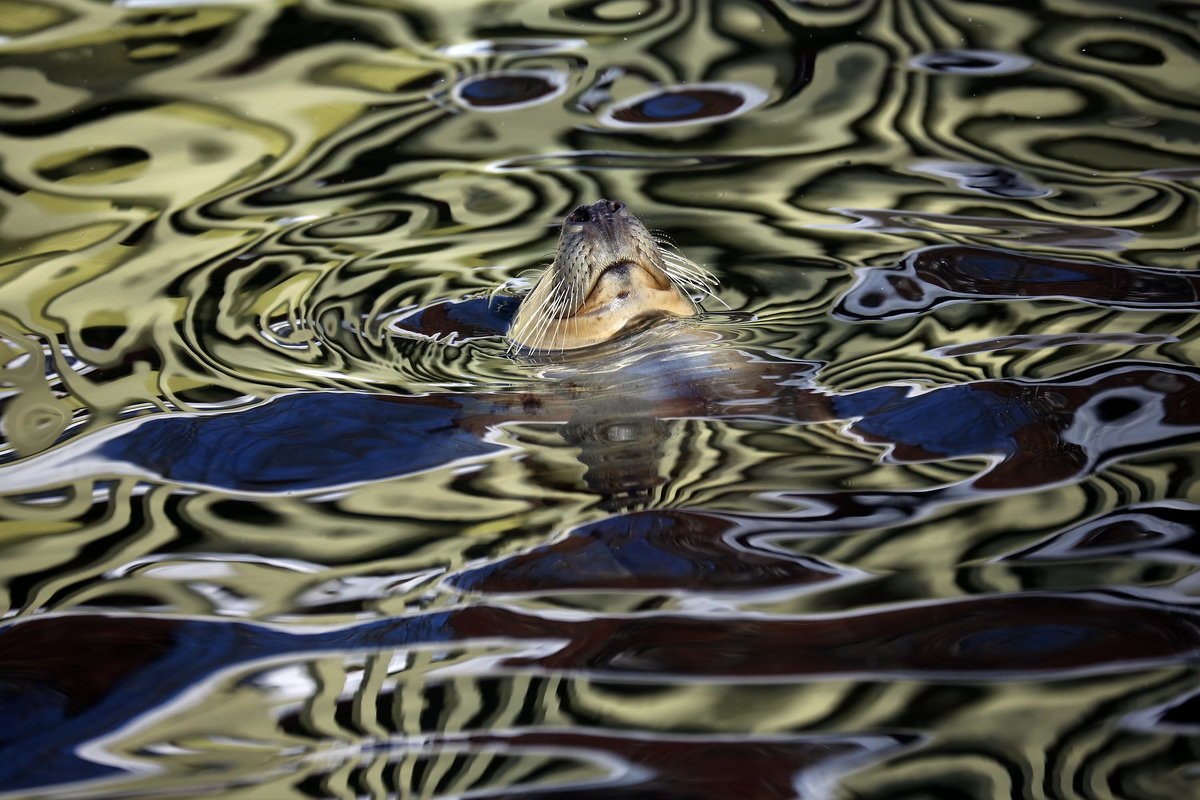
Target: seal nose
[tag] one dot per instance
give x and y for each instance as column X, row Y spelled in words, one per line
column 596, row 211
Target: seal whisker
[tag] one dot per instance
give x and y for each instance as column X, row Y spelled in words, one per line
column 527, row 327
column 701, row 281
column 560, row 330
column 690, row 275
column 556, row 312
column 544, row 316
column 684, row 264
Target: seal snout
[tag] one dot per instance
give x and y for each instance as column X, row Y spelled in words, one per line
column 609, row 272
column 600, row 210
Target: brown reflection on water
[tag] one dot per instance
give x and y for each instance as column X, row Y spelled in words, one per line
column 154, row 664
column 1017, row 637
column 76, row 663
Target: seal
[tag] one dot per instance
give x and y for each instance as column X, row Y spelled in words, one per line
column 609, row 273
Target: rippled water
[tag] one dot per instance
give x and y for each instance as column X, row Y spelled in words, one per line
column 911, row 515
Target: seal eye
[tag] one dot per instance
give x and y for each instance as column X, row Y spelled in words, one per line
column 614, row 205
column 580, row 215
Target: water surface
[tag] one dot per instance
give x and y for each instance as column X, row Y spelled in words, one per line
column 911, row 512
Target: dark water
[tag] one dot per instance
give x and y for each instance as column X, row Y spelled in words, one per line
column 913, row 515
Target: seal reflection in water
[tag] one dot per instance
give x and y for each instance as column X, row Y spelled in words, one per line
column 610, row 273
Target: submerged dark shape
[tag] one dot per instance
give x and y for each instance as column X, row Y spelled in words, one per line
column 456, row 322
column 651, row 549
column 934, row 276
column 691, row 104
column 303, row 442
column 991, row 179
column 1167, row 528
column 504, row 90
column 1007, row 637
column 972, row 62
column 1001, row 229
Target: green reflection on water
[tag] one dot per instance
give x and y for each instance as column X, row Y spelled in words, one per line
column 208, row 205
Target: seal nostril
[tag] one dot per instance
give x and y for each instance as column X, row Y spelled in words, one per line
column 614, row 205
column 581, row 214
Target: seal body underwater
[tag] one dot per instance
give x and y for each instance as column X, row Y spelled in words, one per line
column 609, row 273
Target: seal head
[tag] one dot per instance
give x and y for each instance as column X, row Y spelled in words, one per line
column 609, row 272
